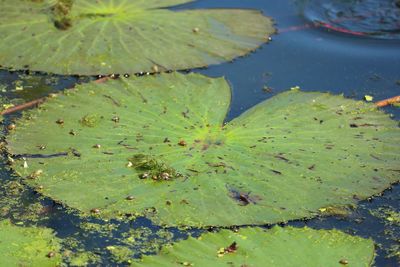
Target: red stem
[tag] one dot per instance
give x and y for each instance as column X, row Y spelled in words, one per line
column 389, row 101
column 39, row 101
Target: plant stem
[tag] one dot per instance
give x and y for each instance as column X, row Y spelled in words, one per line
column 380, row 104
column 39, row 101
column 389, row 101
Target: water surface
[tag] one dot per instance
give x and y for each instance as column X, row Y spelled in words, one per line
column 305, row 53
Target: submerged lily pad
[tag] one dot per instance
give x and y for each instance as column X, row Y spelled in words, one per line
column 90, row 37
column 275, row 247
column 28, row 246
column 158, row 146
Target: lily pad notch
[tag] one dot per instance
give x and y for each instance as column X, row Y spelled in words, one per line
column 159, row 147
column 90, row 37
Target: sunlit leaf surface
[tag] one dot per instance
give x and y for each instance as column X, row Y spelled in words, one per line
column 158, row 146
column 28, row 246
column 90, row 37
column 275, row 247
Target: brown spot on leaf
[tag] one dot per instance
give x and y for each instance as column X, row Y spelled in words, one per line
column 243, row 198
column 184, row 201
column 95, row 211
column 281, row 157
column 51, row 254
column 182, row 143
column 115, row 102
column 231, row 248
column 185, row 114
column 276, row 172
column 216, row 165
column 11, row 127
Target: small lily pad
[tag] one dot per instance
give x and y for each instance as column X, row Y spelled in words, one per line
column 90, row 37
column 159, row 147
column 28, row 246
column 275, row 247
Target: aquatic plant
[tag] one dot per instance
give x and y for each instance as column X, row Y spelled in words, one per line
column 90, row 37
column 28, row 246
column 274, row 247
column 158, row 146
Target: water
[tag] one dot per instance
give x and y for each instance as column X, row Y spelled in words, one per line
column 305, row 53
column 376, row 19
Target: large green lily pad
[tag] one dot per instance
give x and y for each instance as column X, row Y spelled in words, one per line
column 28, row 246
column 90, row 37
column 275, row 247
column 158, row 146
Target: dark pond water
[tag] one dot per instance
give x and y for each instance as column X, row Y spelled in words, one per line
column 347, row 47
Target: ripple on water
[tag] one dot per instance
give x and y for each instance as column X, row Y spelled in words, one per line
column 371, row 18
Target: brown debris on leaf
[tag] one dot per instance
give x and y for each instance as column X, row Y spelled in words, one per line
column 243, row 198
column 232, row 248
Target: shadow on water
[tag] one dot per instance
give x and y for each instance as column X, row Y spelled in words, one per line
column 305, row 53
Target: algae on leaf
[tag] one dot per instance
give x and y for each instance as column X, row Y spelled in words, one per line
column 90, row 37
column 28, row 246
column 278, row 247
column 159, row 148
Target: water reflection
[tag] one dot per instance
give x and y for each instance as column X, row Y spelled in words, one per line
column 371, row 18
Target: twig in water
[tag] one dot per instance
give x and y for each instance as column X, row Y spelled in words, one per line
column 39, row 101
column 389, row 101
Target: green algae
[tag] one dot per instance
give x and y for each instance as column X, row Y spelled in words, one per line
column 90, row 120
column 104, row 228
column 391, row 220
column 341, row 211
column 144, row 240
column 121, row 254
column 387, row 214
column 17, row 203
column 150, row 167
column 74, row 253
column 82, row 259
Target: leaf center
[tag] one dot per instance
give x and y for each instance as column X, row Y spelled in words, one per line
column 64, row 13
column 213, row 137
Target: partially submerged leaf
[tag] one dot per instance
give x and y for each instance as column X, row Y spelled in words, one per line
column 28, row 246
column 159, row 148
column 90, row 37
column 275, row 247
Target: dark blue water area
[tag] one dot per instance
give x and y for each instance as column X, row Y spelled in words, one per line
column 303, row 53
column 313, row 58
